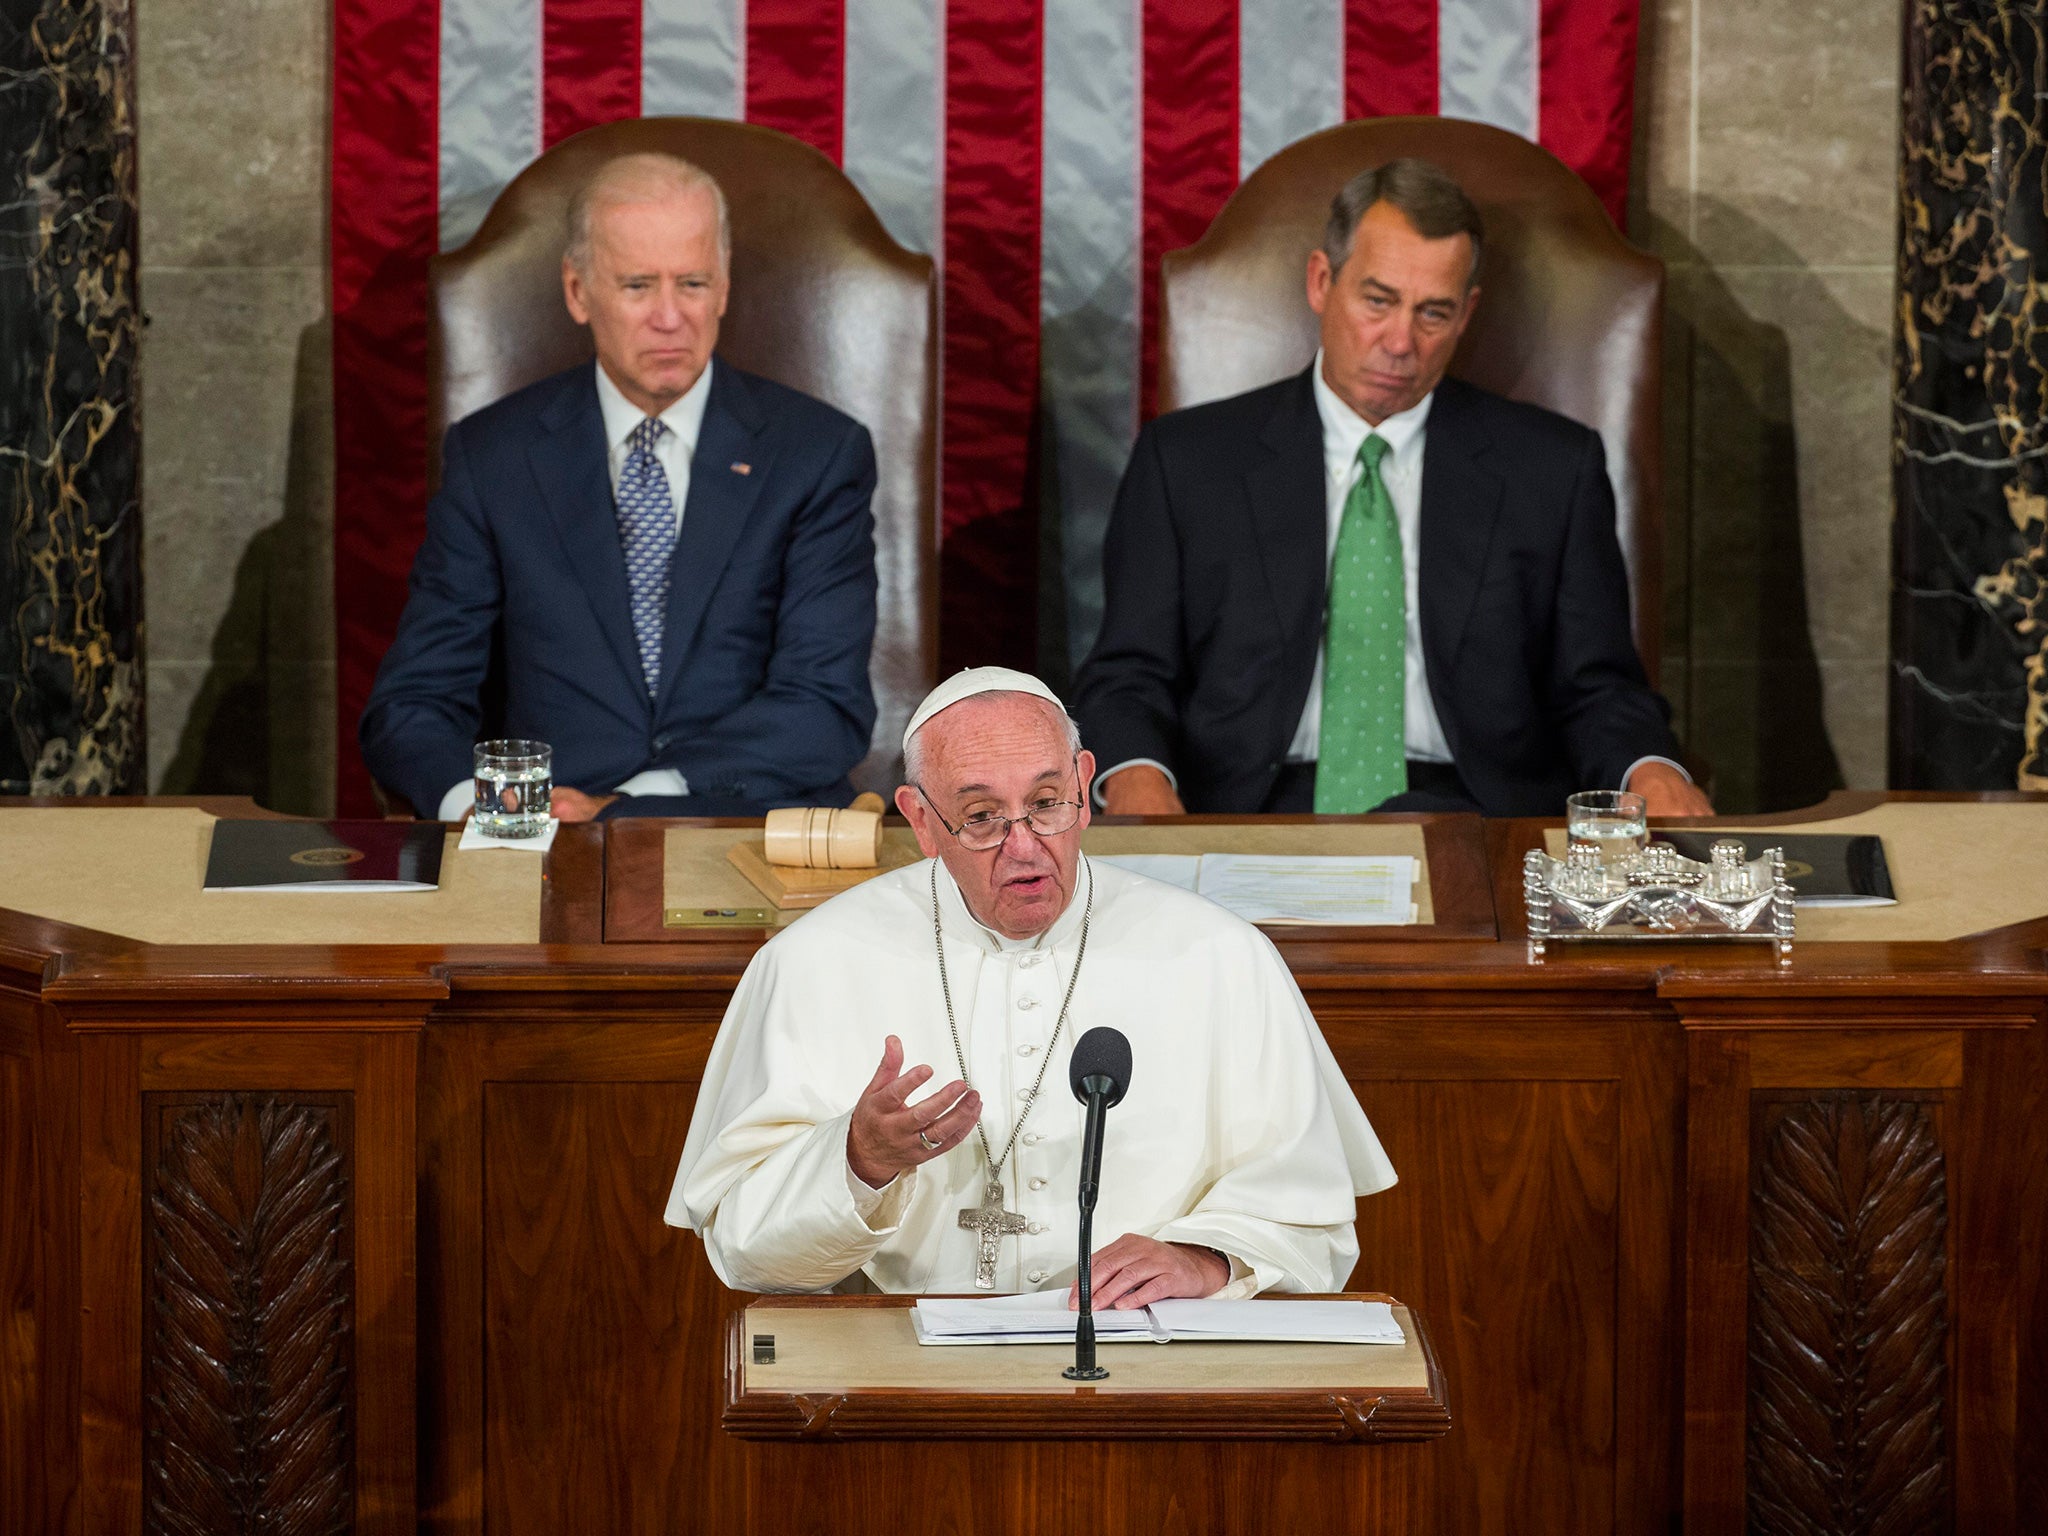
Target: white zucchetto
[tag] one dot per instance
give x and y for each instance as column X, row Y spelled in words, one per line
column 970, row 681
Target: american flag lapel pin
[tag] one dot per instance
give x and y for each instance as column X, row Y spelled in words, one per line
column 742, row 469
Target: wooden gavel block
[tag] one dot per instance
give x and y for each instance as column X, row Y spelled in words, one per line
column 818, row 837
column 813, row 853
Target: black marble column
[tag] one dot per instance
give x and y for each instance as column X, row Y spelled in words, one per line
column 70, row 450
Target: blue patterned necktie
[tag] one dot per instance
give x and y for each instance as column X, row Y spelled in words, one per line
column 647, row 530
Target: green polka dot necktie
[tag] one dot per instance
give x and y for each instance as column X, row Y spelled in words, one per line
column 1362, row 756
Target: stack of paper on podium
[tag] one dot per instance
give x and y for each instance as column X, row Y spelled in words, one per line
column 1042, row 1317
column 1363, row 890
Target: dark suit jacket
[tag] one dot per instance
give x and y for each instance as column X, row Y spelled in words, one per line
column 1216, row 573
column 764, row 692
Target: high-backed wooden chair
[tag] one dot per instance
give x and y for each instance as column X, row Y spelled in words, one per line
column 1570, row 314
column 823, row 300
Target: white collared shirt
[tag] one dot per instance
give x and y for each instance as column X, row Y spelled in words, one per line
column 675, row 447
column 673, row 450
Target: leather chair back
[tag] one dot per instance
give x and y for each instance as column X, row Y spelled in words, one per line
column 1570, row 314
column 823, row 300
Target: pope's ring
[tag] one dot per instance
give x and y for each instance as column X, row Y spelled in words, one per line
column 929, row 1144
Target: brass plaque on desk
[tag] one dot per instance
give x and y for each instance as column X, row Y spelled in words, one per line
column 718, row 917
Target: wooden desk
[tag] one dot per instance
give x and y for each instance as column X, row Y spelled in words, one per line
column 1297, row 1439
column 1643, row 1197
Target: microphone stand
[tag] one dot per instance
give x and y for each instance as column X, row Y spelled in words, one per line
column 1098, row 1087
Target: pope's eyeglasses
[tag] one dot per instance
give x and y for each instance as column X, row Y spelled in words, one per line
column 1046, row 816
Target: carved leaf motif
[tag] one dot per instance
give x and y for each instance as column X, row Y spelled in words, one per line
column 1848, row 1321
column 247, row 1419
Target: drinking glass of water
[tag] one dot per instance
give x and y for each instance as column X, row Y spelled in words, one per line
column 515, row 781
column 1612, row 822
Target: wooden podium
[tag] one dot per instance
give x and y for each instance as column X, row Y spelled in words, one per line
column 862, row 1429
column 1615, row 1163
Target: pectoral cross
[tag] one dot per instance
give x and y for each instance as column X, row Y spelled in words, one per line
column 993, row 1223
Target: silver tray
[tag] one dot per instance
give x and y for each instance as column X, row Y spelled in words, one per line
column 1658, row 893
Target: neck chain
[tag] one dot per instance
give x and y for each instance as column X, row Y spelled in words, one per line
column 995, row 1164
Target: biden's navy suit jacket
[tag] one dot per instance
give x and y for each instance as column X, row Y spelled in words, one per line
column 1217, row 576
column 521, row 584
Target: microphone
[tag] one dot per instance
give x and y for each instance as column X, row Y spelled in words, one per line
column 1099, row 1074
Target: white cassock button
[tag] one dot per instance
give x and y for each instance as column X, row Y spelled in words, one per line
column 1038, row 1183
column 1026, row 1050
column 1032, row 1138
column 1031, row 959
column 1027, row 1003
column 1036, row 1226
column 1024, row 1093
column 1036, row 1277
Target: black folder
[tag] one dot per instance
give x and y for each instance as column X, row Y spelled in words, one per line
column 325, row 856
column 1827, row 869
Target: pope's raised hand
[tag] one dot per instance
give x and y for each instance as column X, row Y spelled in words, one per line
column 888, row 1134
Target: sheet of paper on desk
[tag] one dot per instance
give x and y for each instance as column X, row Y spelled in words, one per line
column 1280, row 1322
column 1035, row 1317
column 1041, row 1317
column 1181, row 869
column 1274, row 888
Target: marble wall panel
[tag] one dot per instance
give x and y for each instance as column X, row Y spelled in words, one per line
column 1815, row 384
column 1764, row 178
column 1797, row 118
column 1970, row 685
column 71, row 701
column 224, row 349
column 234, row 104
column 1661, row 163
column 1858, row 713
column 233, row 100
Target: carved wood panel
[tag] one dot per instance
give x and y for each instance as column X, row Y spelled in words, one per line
column 247, row 1328
column 1848, row 1317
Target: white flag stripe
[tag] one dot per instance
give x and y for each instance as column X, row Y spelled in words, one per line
column 691, row 58
column 490, row 106
column 1088, row 287
column 1290, row 75
column 1487, row 57
column 892, row 119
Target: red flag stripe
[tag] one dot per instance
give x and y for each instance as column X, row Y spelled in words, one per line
column 990, row 228
column 383, row 221
column 796, row 70
column 1190, row 144
column 1390, row 60
column 590, row 65
column 1585, row 101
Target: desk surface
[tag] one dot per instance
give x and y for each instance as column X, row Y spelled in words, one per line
column 138, row 871
column 115, row 886
column 850, row 1367
column 661, row 865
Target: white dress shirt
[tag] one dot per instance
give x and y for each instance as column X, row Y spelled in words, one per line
column 1344, row 431
column 673, row 451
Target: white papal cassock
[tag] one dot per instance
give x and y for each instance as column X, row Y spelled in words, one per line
column 1238, row 1132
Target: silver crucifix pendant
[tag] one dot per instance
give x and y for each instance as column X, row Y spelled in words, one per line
column 993, row 1223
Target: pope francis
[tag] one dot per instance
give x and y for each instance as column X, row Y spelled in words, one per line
column 1230, row 1167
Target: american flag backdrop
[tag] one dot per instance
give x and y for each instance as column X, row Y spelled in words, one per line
column 1045, row 152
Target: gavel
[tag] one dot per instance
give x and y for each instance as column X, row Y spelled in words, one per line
column 819, row 837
